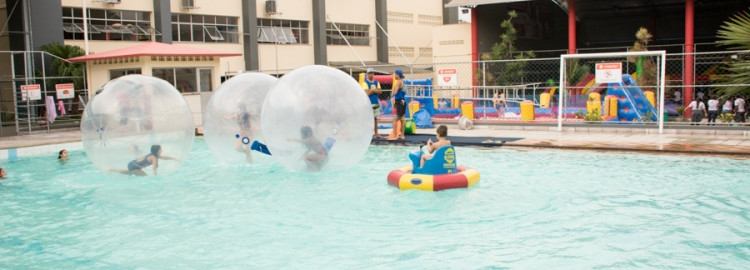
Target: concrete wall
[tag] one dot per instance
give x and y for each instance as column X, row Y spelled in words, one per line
column 411, row 36
column 453, row 45
column 284, row 57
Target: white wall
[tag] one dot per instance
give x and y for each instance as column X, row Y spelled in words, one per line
column 452, row 45
column 411, row 36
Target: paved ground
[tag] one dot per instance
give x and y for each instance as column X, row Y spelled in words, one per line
column 726, row 142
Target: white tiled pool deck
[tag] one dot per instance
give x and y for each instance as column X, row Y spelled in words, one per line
column 725, row 142
column 687, row 141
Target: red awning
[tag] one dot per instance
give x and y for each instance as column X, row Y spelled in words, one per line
column 151, row 49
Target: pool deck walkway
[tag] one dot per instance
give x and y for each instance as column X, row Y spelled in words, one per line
column 696, row 141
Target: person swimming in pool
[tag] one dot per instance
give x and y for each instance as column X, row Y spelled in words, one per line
column 62, row 156
column 316, row 155
column 136, row 166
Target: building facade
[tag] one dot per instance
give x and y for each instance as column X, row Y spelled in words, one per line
column 270, row 36
column 274, row 36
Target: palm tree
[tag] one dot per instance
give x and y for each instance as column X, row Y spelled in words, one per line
column 576, row 71
column 74, row 71
column 645, row 66
column 735, row 33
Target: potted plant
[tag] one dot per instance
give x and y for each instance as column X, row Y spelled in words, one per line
column 646, row 117
column 725, row 117
column 579, row 114
column 593, row 116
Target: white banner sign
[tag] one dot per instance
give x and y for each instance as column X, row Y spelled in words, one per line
column 64, row 90
column 608, row 72
column 447, row 77
column 32, row 91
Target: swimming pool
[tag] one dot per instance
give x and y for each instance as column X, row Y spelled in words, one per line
column 532, row 210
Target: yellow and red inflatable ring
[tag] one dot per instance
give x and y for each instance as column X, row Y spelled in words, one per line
column 403, row 179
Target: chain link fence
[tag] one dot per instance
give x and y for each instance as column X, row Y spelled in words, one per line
column 494, row 91
column 34, row 98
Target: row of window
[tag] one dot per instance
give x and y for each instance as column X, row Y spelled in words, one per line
column 204, row 28
column 136, row 25
column 108, row 24
column 409, row 51
column 408, row 18
column 186, row 79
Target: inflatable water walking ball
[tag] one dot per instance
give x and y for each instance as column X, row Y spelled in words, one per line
column 231, row 122
column 130, row 115
column 317, row 118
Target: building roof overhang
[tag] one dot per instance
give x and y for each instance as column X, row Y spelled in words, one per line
column 151, row 49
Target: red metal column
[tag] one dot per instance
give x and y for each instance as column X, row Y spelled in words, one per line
column 571, row 26
column 474, row 49
column 687, row 76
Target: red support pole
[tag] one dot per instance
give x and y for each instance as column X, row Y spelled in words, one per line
column 474, row 50
column 687, row 77
column 571, row 27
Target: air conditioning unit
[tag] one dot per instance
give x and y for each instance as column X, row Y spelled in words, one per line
column 270, row 6
column 111, row 1
column 188, row 4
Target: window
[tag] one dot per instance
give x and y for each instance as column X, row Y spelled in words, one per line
column 116, row 73
column 270, row 34
column 186, row 80
column 407, row 51
column 356, row 34
column 451, row 42
column 400, row 17
column 282, row 31
column 108, row 24
column 204, row 28
column 430, row 20
column 213, row 32
column 425, row 51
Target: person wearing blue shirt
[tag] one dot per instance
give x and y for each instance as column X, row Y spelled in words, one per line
column 399, row 98
column 372, row 89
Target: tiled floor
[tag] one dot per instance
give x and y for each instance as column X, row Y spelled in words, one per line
column 726, row 142
column 723, row 142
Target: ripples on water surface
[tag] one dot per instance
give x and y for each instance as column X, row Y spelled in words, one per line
column 531, row 210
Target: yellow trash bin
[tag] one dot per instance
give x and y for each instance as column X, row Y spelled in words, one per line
column 544, row 100
column 611, row 100
column 467, row 109
column 413, row 107
column 454, row 101
column 594, row 103
column 650, row 97
column 527, row 110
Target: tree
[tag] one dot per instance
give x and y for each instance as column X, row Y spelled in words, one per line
column 735, row 33
column 575, row 71
column 645, row 66
column 67, row 69
column 506, row 72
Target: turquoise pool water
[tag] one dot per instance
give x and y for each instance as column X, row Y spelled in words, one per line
column 531, row 210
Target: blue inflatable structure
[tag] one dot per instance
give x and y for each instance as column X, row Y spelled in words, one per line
column 423, row 94
column 632, row 104
column 423, row 119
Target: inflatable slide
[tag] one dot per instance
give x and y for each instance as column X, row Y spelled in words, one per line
column 632, row 103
